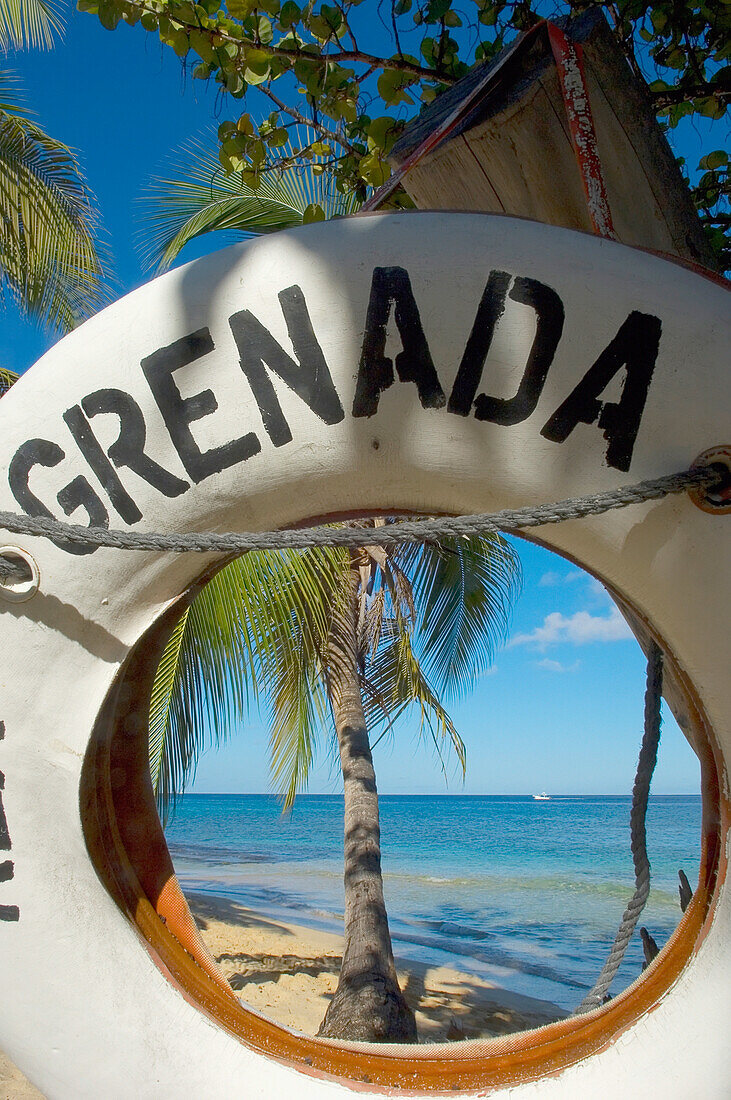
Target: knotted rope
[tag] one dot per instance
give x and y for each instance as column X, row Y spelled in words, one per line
column 638, row 840
column 10, row 571
column 409, row 530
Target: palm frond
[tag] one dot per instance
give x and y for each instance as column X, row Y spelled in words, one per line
column 198, row 197
column 7, row 379
column 299, row 714
column 202, row 686
column 463, row 589
column 161, row 700
column 49, row 262
column 32, row 23
column 253, row 630
column 297, row 679
column 397, row 682
column 12, row 94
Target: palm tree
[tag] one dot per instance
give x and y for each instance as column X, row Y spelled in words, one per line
column 7, row 379
column 50, row 266
column 328, row 639
column 343, row 641
column 196, row 197
column 29, row 23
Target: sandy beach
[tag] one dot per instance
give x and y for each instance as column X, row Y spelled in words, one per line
column 289, row 973
column 13, row 1085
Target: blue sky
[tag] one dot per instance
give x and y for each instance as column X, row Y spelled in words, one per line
column 561, row 710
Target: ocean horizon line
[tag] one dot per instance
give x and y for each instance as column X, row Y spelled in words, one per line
column 444, row 795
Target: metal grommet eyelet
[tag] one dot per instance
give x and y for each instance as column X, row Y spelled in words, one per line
column 715, row 500
column 22, row 588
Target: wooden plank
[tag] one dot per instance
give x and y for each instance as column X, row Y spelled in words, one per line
column 516, row 156
column 452, row 179
column 500, row 165
column 637, row 215
column 646, row 144
column 525, row 145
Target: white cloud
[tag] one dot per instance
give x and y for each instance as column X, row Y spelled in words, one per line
column 578, row 629
column 552, row 579
column 555, row 666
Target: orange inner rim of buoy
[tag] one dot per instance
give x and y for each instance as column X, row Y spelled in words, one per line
column 128, row 849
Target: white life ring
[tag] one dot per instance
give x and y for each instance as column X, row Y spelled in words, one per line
column 227, row 395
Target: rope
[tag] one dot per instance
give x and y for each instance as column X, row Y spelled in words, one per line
column 640, row 793
column 11, row 571
column 419, row 530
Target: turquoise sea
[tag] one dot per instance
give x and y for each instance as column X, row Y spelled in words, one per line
column 524, row 893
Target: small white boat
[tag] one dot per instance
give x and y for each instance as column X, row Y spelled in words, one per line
column 543, row 797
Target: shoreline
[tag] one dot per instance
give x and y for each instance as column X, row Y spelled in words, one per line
column 288, row 972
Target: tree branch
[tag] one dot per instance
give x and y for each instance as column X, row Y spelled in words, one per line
column 297, row 116
column 670, row 96
column 722, row 220
column 395, row 30
column 292, row 54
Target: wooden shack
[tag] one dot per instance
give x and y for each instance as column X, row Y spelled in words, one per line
column 501, row 140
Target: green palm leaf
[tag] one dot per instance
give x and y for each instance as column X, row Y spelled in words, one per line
column 200, row 198
column 7, row 379
column 395, row 683
column 201, row 686
column 258, row 625
column 12, row 95
column 296, row 679
column 161, row 705
column 29, row 23
column 49, row 264
column 465, row 588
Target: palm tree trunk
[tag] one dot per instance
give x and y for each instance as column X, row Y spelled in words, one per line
column 368, row 1005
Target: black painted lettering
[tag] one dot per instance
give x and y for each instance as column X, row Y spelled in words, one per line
column 489, row 312
column 7, row 869
column 128, row 449
column 89, row 446
column 8, row 912
column 5, row 844
column 635, row 348
column 179, row 412
column 549, row 326
column 391, row 287
column 309, row 378
column 77, row 494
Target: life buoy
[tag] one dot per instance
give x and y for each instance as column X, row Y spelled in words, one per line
column 432, row 363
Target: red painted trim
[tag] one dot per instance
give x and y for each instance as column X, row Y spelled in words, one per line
column 569, row 63
column 572, row 80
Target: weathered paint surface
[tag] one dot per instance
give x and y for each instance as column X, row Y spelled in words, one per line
column 427, row 362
